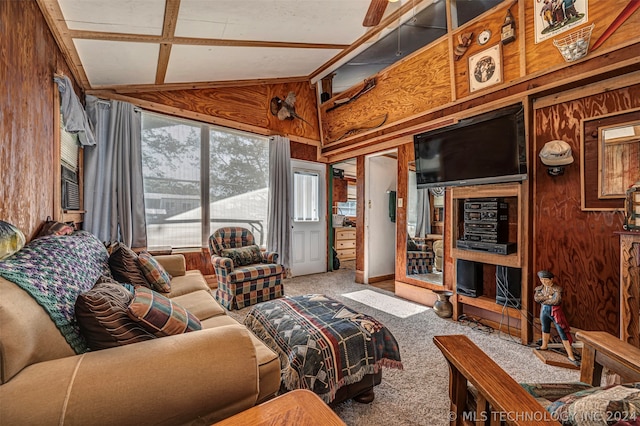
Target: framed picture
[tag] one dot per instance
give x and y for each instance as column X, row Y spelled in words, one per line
column 553, row 17
column 485, row 68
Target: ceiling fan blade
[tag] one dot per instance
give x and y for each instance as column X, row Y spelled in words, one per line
column 375, row 12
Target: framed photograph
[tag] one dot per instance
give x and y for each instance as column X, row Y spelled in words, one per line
column 485, row 68
column 553, row 17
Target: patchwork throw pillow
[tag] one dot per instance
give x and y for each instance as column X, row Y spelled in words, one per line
column 411, row 245
column 123, row 263
column 243, row 256
column 600, row 405
column 160, row 315
column 103, row 317
column 155, row 274
column 11, row 239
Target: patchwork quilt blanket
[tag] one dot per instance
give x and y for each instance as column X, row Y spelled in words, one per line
column 322, row 344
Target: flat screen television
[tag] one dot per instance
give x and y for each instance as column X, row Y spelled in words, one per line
column 487, row 148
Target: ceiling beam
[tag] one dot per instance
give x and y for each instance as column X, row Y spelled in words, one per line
column 138, row 88
column 55, row 19
column 168, row 31
column 196, row 41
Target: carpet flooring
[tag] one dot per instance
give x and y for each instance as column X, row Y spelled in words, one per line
column 418, row 394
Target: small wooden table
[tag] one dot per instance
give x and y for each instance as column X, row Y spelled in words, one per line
column 299, row 407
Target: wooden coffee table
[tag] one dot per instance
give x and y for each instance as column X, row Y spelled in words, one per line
column 299, row 407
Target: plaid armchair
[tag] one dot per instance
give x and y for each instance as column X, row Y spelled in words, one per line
column 246, row 275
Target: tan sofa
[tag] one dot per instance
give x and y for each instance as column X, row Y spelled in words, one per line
column 193, row 378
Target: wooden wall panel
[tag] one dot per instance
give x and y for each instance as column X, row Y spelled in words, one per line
column 510, row 51
column 29, row 57
column 246, row 105
column 301, row 151
column 579, row 247
column 415, row 84
column 545, row 55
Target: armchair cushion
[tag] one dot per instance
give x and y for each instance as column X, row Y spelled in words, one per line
column 160, row 315
column 243, row 256
column 103, row 319
column 598, row 405
column 253, row 272
column 153, row 271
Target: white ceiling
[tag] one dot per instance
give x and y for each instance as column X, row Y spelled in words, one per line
column 119, row 42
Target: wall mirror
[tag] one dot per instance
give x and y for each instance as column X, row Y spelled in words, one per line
column 609, row 159
column 618, row 159
column 425, row 231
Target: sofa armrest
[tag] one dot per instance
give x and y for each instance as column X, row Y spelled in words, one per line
column 469, row 364
column 175, row 264
column 269, row 257
column 205, row 375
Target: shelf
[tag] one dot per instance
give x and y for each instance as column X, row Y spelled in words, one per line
column 488, row 304
column 512, row 260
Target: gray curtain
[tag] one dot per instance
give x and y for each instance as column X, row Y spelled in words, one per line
column 279, row 216
column 113, row 187
column 423, row 223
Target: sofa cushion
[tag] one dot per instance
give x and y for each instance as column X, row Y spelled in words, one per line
column 200, row 303
column 53, row 227
column 242, row 256
column 155, row 274
column 103, row 317
column 598, row 405
column 11, row 239
column 191, row 281
column 123, row 263
column 160, row 315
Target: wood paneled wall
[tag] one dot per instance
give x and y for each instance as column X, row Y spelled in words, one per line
column 248, row 105
column 29, row 57
column 580, row 247
column 430, row 84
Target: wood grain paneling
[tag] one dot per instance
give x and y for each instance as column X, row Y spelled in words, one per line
column 510, row 52
column 247, row 105
column 545, row 55
column 301, row 151
column 579, row 247
column 29, row 57
column 414, row 84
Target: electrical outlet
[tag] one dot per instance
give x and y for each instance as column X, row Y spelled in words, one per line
column 399, row 202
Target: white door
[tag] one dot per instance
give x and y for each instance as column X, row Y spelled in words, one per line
column 309, row 218
column 380, row 230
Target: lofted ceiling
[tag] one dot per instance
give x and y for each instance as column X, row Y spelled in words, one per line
column 154, row 44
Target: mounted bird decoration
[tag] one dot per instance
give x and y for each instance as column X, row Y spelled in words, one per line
column 285, row 109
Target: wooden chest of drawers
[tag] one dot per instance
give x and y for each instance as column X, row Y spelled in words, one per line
column 345, row 243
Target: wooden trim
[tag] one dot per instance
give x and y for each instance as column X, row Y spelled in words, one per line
column 381, row 278
column 140, row 88
column 588, row 90
column 55, row 20
column 57, row 172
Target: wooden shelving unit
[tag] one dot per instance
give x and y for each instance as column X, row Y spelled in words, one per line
column 515, row 194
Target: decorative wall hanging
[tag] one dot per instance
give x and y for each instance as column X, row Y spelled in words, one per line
column 464, row 40
column 485, row 68
column 508, row 33
column 368, row 85
column 631, row 7
column 374, row 124
column 553, row 17
column 484, row 36
column 285, row 109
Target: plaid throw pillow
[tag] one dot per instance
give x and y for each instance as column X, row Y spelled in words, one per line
column 243, row 256
column 157, row 276
column 159, row 315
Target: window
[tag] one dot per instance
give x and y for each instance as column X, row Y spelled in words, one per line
column 193, row 171
column 348, row 208
column 306, row 196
